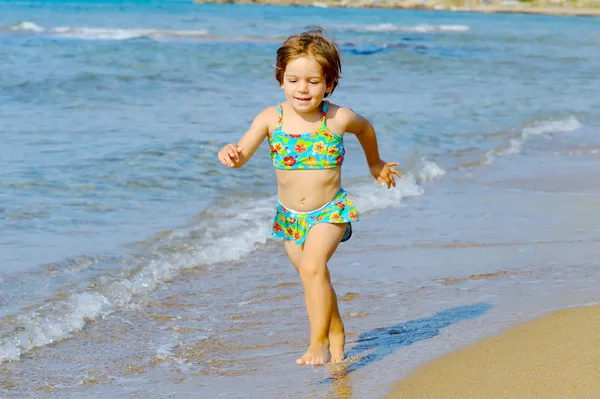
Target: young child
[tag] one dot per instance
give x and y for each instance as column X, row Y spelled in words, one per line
column 306, row 140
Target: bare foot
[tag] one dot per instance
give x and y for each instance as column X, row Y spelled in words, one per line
column 336, row 346
column 316, row 355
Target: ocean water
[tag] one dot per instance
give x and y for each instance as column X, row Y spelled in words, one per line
column 131, row 261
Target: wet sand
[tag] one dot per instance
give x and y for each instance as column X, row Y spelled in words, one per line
column 556, row 356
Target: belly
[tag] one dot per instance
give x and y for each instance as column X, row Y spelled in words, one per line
column 305, row 190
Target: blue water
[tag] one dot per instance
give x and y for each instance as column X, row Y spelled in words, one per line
column 111, row 114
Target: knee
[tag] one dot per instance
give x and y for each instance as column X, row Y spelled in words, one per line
column 313, row 269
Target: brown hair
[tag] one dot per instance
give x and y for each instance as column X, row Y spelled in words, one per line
column 312, row 43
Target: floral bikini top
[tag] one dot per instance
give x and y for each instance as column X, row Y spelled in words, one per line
column 319, row 149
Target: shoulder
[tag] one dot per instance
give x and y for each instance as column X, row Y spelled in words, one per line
column 267, row 114
column 345, row 118
column 267, row 118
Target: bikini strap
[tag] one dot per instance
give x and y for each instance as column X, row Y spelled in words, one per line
column 324, row 114
column 280, row 113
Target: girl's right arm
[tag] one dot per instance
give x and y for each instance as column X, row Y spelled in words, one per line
column 236, row 155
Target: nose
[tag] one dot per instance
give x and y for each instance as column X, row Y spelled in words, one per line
column 303, row 87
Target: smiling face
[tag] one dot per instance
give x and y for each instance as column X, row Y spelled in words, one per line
column 304, row 84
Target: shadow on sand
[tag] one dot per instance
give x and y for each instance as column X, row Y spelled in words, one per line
column 384, row 341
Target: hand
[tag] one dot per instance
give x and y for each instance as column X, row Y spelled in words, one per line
column 230, row 155
column 384, row 173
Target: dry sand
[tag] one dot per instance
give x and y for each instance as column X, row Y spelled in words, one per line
column 556, row 356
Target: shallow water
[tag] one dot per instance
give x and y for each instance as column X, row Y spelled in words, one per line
column 133, row 263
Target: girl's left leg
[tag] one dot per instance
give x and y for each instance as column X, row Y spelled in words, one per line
column 321, row 242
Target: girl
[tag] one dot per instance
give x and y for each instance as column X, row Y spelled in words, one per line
column 306, row 139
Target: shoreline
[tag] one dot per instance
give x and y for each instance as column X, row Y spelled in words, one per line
column 522, row 8
column 554, row 356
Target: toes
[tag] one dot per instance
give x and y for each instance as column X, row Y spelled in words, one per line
column 304, row 360
column 318, row 362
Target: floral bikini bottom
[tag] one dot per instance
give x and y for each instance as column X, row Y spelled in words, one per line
column 293, row 225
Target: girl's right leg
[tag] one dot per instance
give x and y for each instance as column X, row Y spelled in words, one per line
column 312, row 267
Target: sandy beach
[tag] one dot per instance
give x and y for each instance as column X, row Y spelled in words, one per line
column 590, row 9
column 555, row 356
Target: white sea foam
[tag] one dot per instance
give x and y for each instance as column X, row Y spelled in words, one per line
column 26, row 26
column 429, row 171
column 125, row 33
column 388, row 27
column 94, row 33
column 225, row 233
column 52, row 322
column 515, row 144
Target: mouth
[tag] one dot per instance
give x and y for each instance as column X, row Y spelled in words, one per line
column 302, row 99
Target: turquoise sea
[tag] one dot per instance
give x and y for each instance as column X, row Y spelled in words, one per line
column 133, row 264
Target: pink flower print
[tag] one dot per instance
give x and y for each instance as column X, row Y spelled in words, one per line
column 339, row 160
column 340, row 205
column 353, row 215
column 277, row 228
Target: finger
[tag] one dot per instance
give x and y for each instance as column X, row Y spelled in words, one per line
column 386, row 180
column 392, row 180
column 224, row 161
column 228, row 161
column 392, row 164
column 239, row 149
column 381, row 181
column 396, row 172
column 233, row 156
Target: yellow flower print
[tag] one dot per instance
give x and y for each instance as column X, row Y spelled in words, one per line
column 333, row 151
column 335, row 217
column 319, row 147
column 311, row 162
column 277, row 147
column 353, row 215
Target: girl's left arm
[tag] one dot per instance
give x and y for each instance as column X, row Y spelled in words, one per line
column 381, row 171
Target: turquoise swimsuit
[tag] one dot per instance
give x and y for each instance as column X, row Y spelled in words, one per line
column 320, row 149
